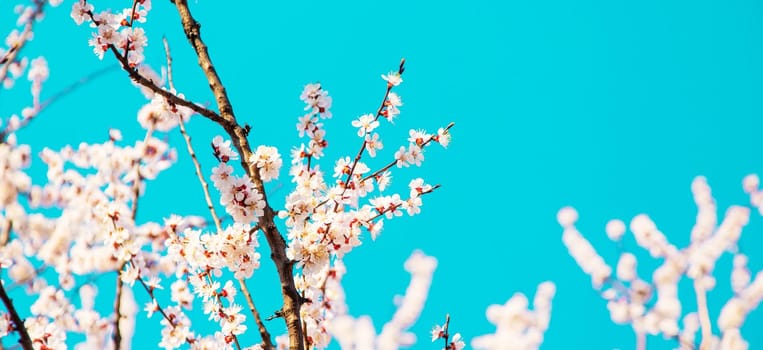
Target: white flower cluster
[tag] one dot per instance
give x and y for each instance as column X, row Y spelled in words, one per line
column 176, row 330
column 317, row 102
column 6, row 325
column 92, row 231
column 234, row 249
column 325, row 221
column 366, row 123
column 454, row 343
column 324, row 300
column 53, row 315
column 115, row 30
column 197, row 259
column 414, row 154
column 47, row 334
column 517, row 327
column 268, row 161
column 95, row 216
column 242, row 201
column 14, row 181
column 162, row 116
column 95, row 189
column 654, row 307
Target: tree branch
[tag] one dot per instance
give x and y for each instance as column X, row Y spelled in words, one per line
column 172, row 98
column 208, row 198
column 238, row 134
column 24, row 339
column 446, row 336
column 264, row 334
column 117, row 336
column 640, row 340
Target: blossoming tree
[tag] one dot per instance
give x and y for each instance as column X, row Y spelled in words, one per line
column 57, row 237
column 205, row 259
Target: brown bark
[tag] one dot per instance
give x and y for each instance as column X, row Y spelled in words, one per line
column 238, row 134
column 24, row 340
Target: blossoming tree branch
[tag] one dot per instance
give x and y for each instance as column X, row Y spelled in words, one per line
column 204, row 259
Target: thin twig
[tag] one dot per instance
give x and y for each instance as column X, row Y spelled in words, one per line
column 640, row 340
column 117, row 336
column 704, row 315
column 52, row 99
column 392, row 163
column 169, row 63
column 393, row 208
column 77, row 84
column 363, row 145
column 143, row 81
column 220, row 310
column 202, row 181
column 385, row 168
column 150, row 290
column 132, row 14
column 172, row 98
column 24, row 339
column 446, row 336
column 264, row 334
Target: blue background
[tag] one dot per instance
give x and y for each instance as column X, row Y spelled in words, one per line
column 612, row 107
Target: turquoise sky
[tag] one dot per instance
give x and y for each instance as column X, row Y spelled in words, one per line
column 612, row 107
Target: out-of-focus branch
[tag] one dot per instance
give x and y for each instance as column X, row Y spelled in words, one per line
column 117, row 337
column 704, row 315
column 5, row 234
column 238, row 134
column 37, row 272
column 75, row 85
column 57, row 96
column 11, row 55
column 640, row 340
